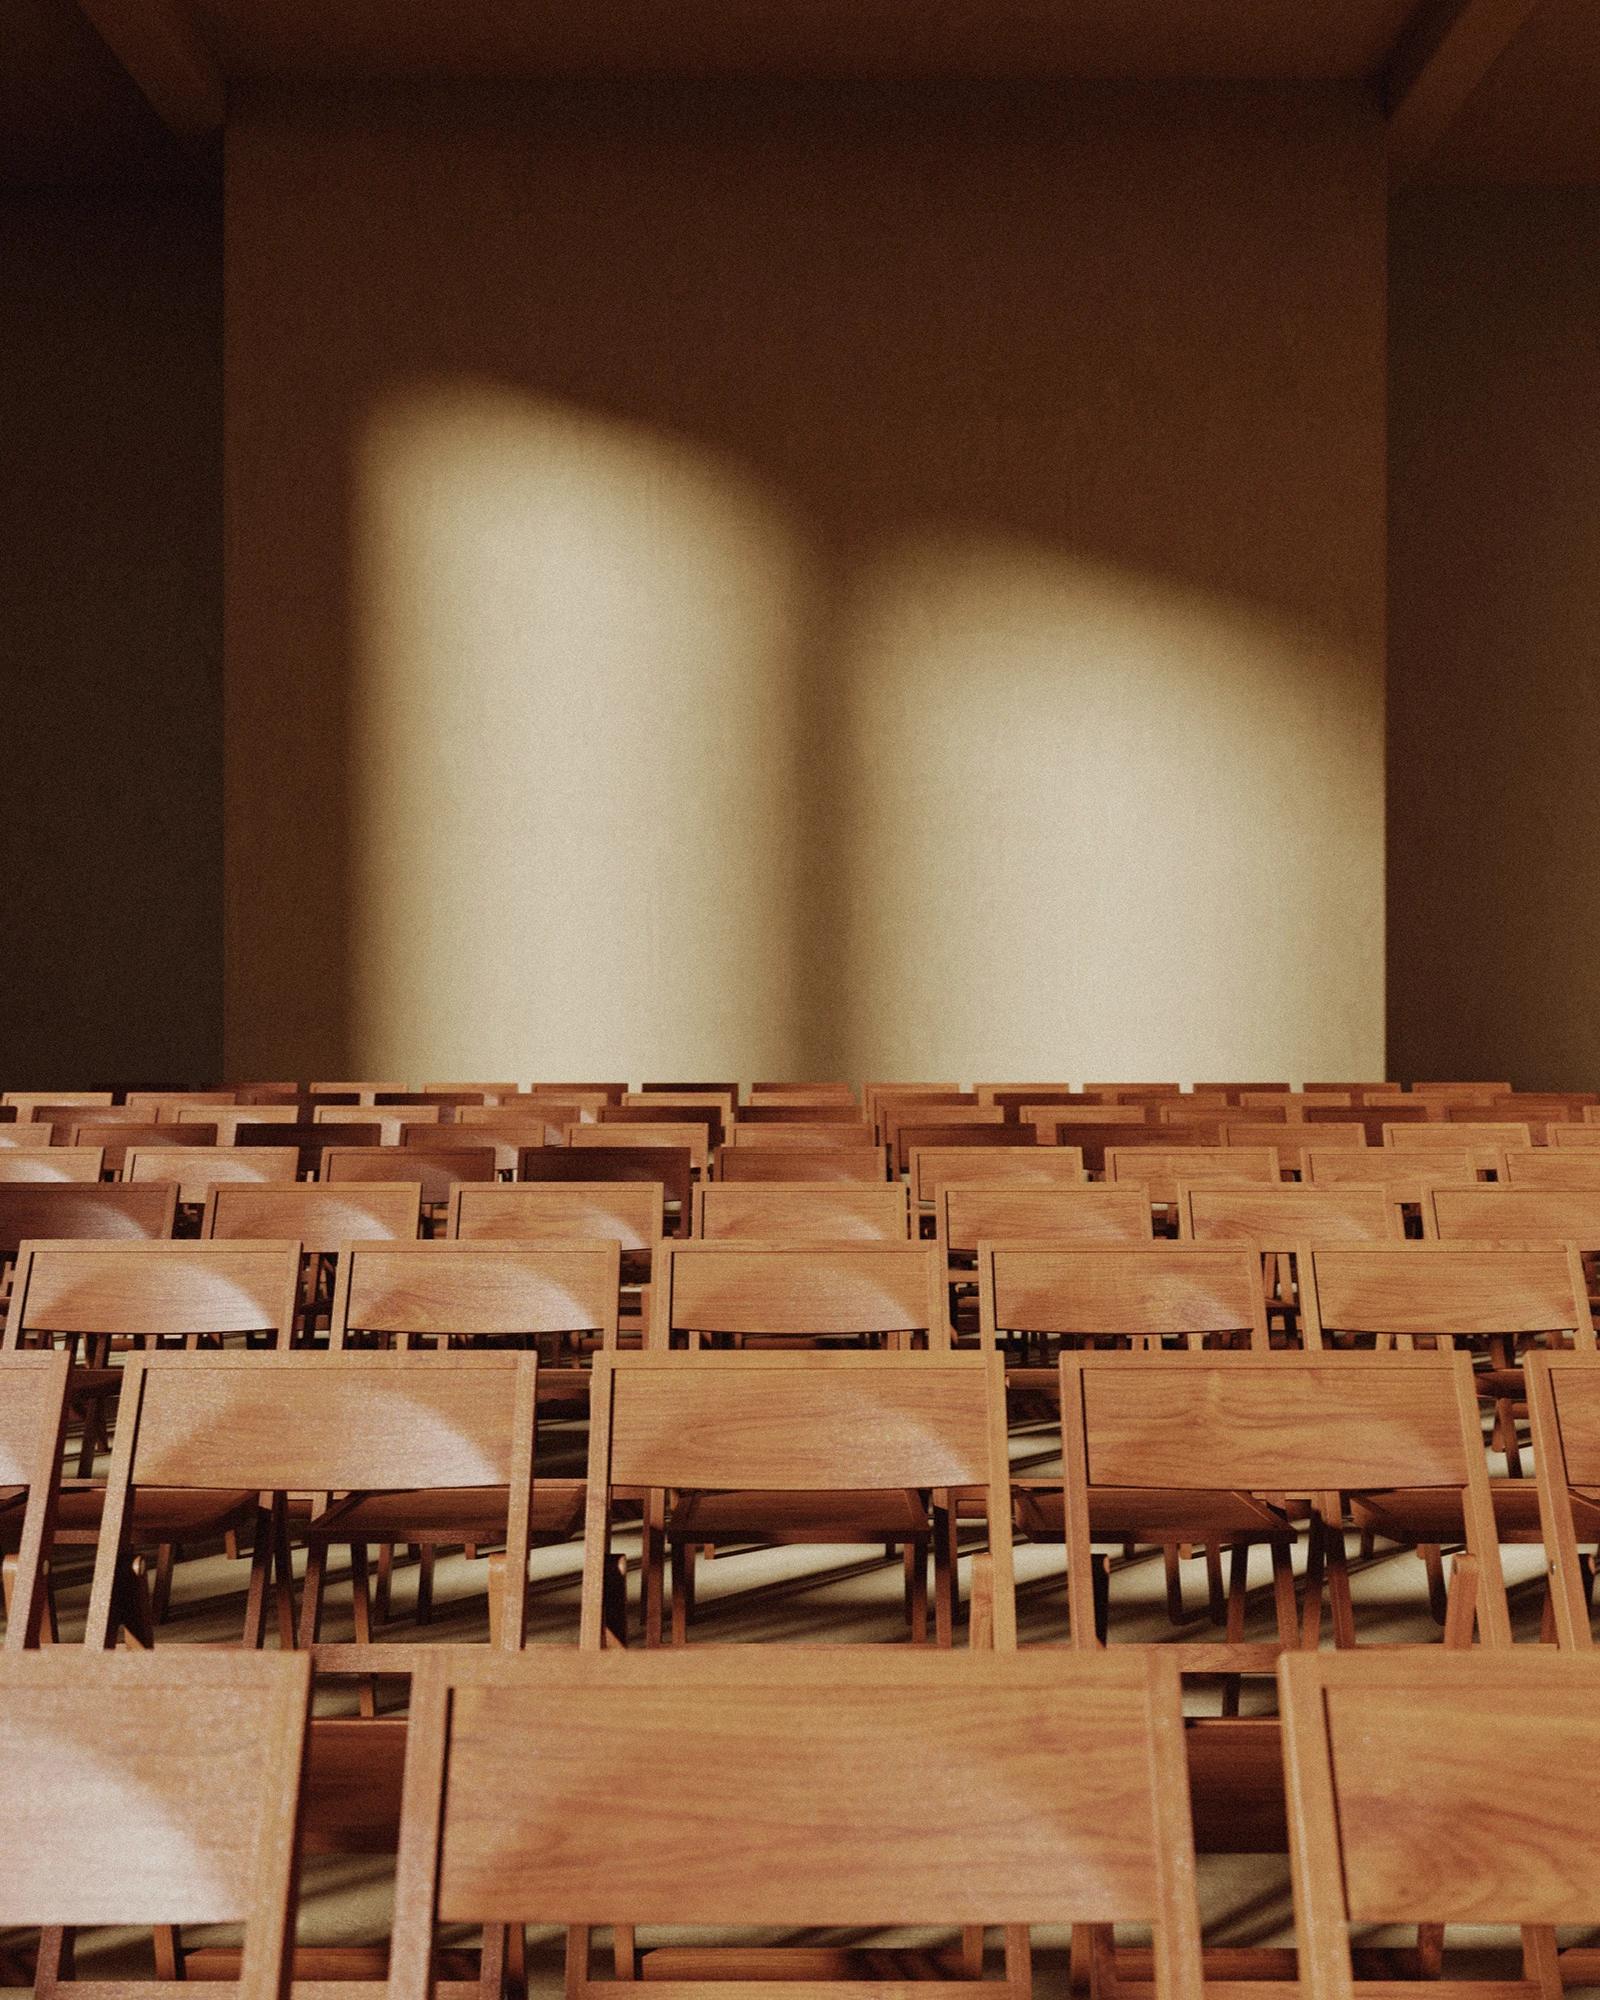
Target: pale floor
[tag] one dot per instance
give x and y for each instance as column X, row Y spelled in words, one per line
column 798, row 1596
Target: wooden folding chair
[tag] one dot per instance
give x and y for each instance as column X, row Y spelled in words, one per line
column 804, row 1447
column 391, row 1125
column 1485, row 1142
column 24, row 1102
column 629, row 1214
column 802, row 1111
column 1517, row 1115
column 25, row 1138
column 1146, row 1294
column 989, row 1130
column 1094, row 1140
column 1435, row 1789
column 802, row 1212
column 969, row 1213
column 33, row 1423
column 115, row 1140
column 1578, row 1136
column 311, row 1138
column 890, row 1293
column 1551, row 1167
column 1161, row 1170
column 752, row 1787
column 1512, row 1212
column 152, row 1789
column 1277, row 1220
column 227, row 1119
column 52, row 1163
column 437, row 1169
column 1288, row 1139
column 422, row 1448
column 707, row 1119
column 1322, row 1428
column 89, row 1296
column 166, row 1104
column 804, row 1162
column 351, row 1093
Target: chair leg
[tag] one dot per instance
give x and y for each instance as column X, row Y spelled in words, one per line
column 380, row 1608
column 1216, row 1600
column 57, row 1961
column 915, row 1556
column 361, row 1605
column 168, row 1941
column 1171, row 1557
column 425, row 1560
column 311, row 1594
column 682, row 1560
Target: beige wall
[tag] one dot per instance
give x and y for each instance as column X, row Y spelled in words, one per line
column 806, row 582
column 1494, row 959
column 111, row 637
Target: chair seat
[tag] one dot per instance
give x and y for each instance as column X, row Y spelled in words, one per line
column 158, row 1514
column 871, row 1516
column 1151, row 1514
column 1434, row 1514
column 443, row 1516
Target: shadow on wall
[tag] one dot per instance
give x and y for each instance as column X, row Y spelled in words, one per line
column 588, row 719
column 797, row 580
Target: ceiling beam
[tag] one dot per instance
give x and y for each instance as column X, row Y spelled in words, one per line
column 1448, row 49
column 159, row 48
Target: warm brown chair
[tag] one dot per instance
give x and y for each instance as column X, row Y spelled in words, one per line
column 1488, row 1212
column 1045, row 1114
column 1564, row 1409
column 423, row 1448
column 310, row 1139
column 166, row 1104
column 740, row 1292
column 323, row 1215
column 802, row 1163
column 803, row 1447
column 772, row 1787
column 1551, row 1167
column 1462, row 1093
column 351, row 1093
column 946, row 1125
column 629, row 1214
column 153, row 1789
column 24, row 1102
column 25, row 1138
column 436, row 1169
column 801, row 1111
column 1276, row 1220
column 52, row 1163
column 802, row 1212
column 1137, row 1093
column 1485, row 1141
column 1182, row 1112
column 392, row 1125
column 670, row 1116
column 226, row 1119
column 969, row 1213
column 1454, row 1788
column 197, row 1169
column 1093, row 1141
column 1578, row 1137
column 1333, row 1428
column 802, row 1093
column 1392, row 1166
column 33, row 1422
column 930, row 1168
column 1146, row 1294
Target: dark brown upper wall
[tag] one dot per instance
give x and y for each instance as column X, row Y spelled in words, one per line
column 110, row 637
column 1494, row 619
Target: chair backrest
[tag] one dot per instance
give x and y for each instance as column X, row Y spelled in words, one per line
column 1161, row 1170
column 526, row 1115
column 25, row 1137
column 802, row 1111
column 1274, row 1423
column 150, row 1290
column 1446, row 1289
column 967, row 1214
column 1576, row 1137
column 1093, row 1141
column 322, row 1215
column 627, row 1213
column 436, row 1169
column 1045, row 1114
column 930, row 1168
column 1564, row 1409
column 52, row 1163
column 1287, row 1140
column 1281, row 1218
column 156, row 1788
column 684, row 1088
column 1148, row 1291
column 311, row 1139
column 352, row 1093
column 1295, row 1103
column 1516, row 1116
column 1136, row 1093
column 804, row 1162
column 812, row 1422
column 1444, row 1788
column 1552, row 1167
column 693, row 1139
column 1457, row 1133
column 799, row 1291
column 390, row 1125
column 406, row 1292
column 1496, row 1212
column 660, row 1113
column 691, row 1097
column 1377, row 1166
column 802, row 1212
column 918, row 1790
column 485, row 1093
column 82, row 1209
column 1182, row 1112
column 1463, row 1093
column 23, row 1102
column 789, row 1133
column 295, row 1423
column 668, row 1166
column 33, row 1422
column 802, row 1093
column 197, row 1169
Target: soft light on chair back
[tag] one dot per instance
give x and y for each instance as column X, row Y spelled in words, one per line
column 322, row 1215
column 83, row 1210
column 435, row 1169
column 149, row 1290
column 1008, row 1212
column 909, row 1790
column 1385, row 1166
column 1491, row 1212
column 693, row 1139
column 155, row 1788
column 930, row 1168
column 1161, row 1170
column 52, row 1163
column 803, row 1162
column 1281, row 1218
column 412, row 1291
column 786, row 1134
column 627, row 1213
column 799, row 1291
column 1152, row 1291
column 803, row 1212
column 197, row 1169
